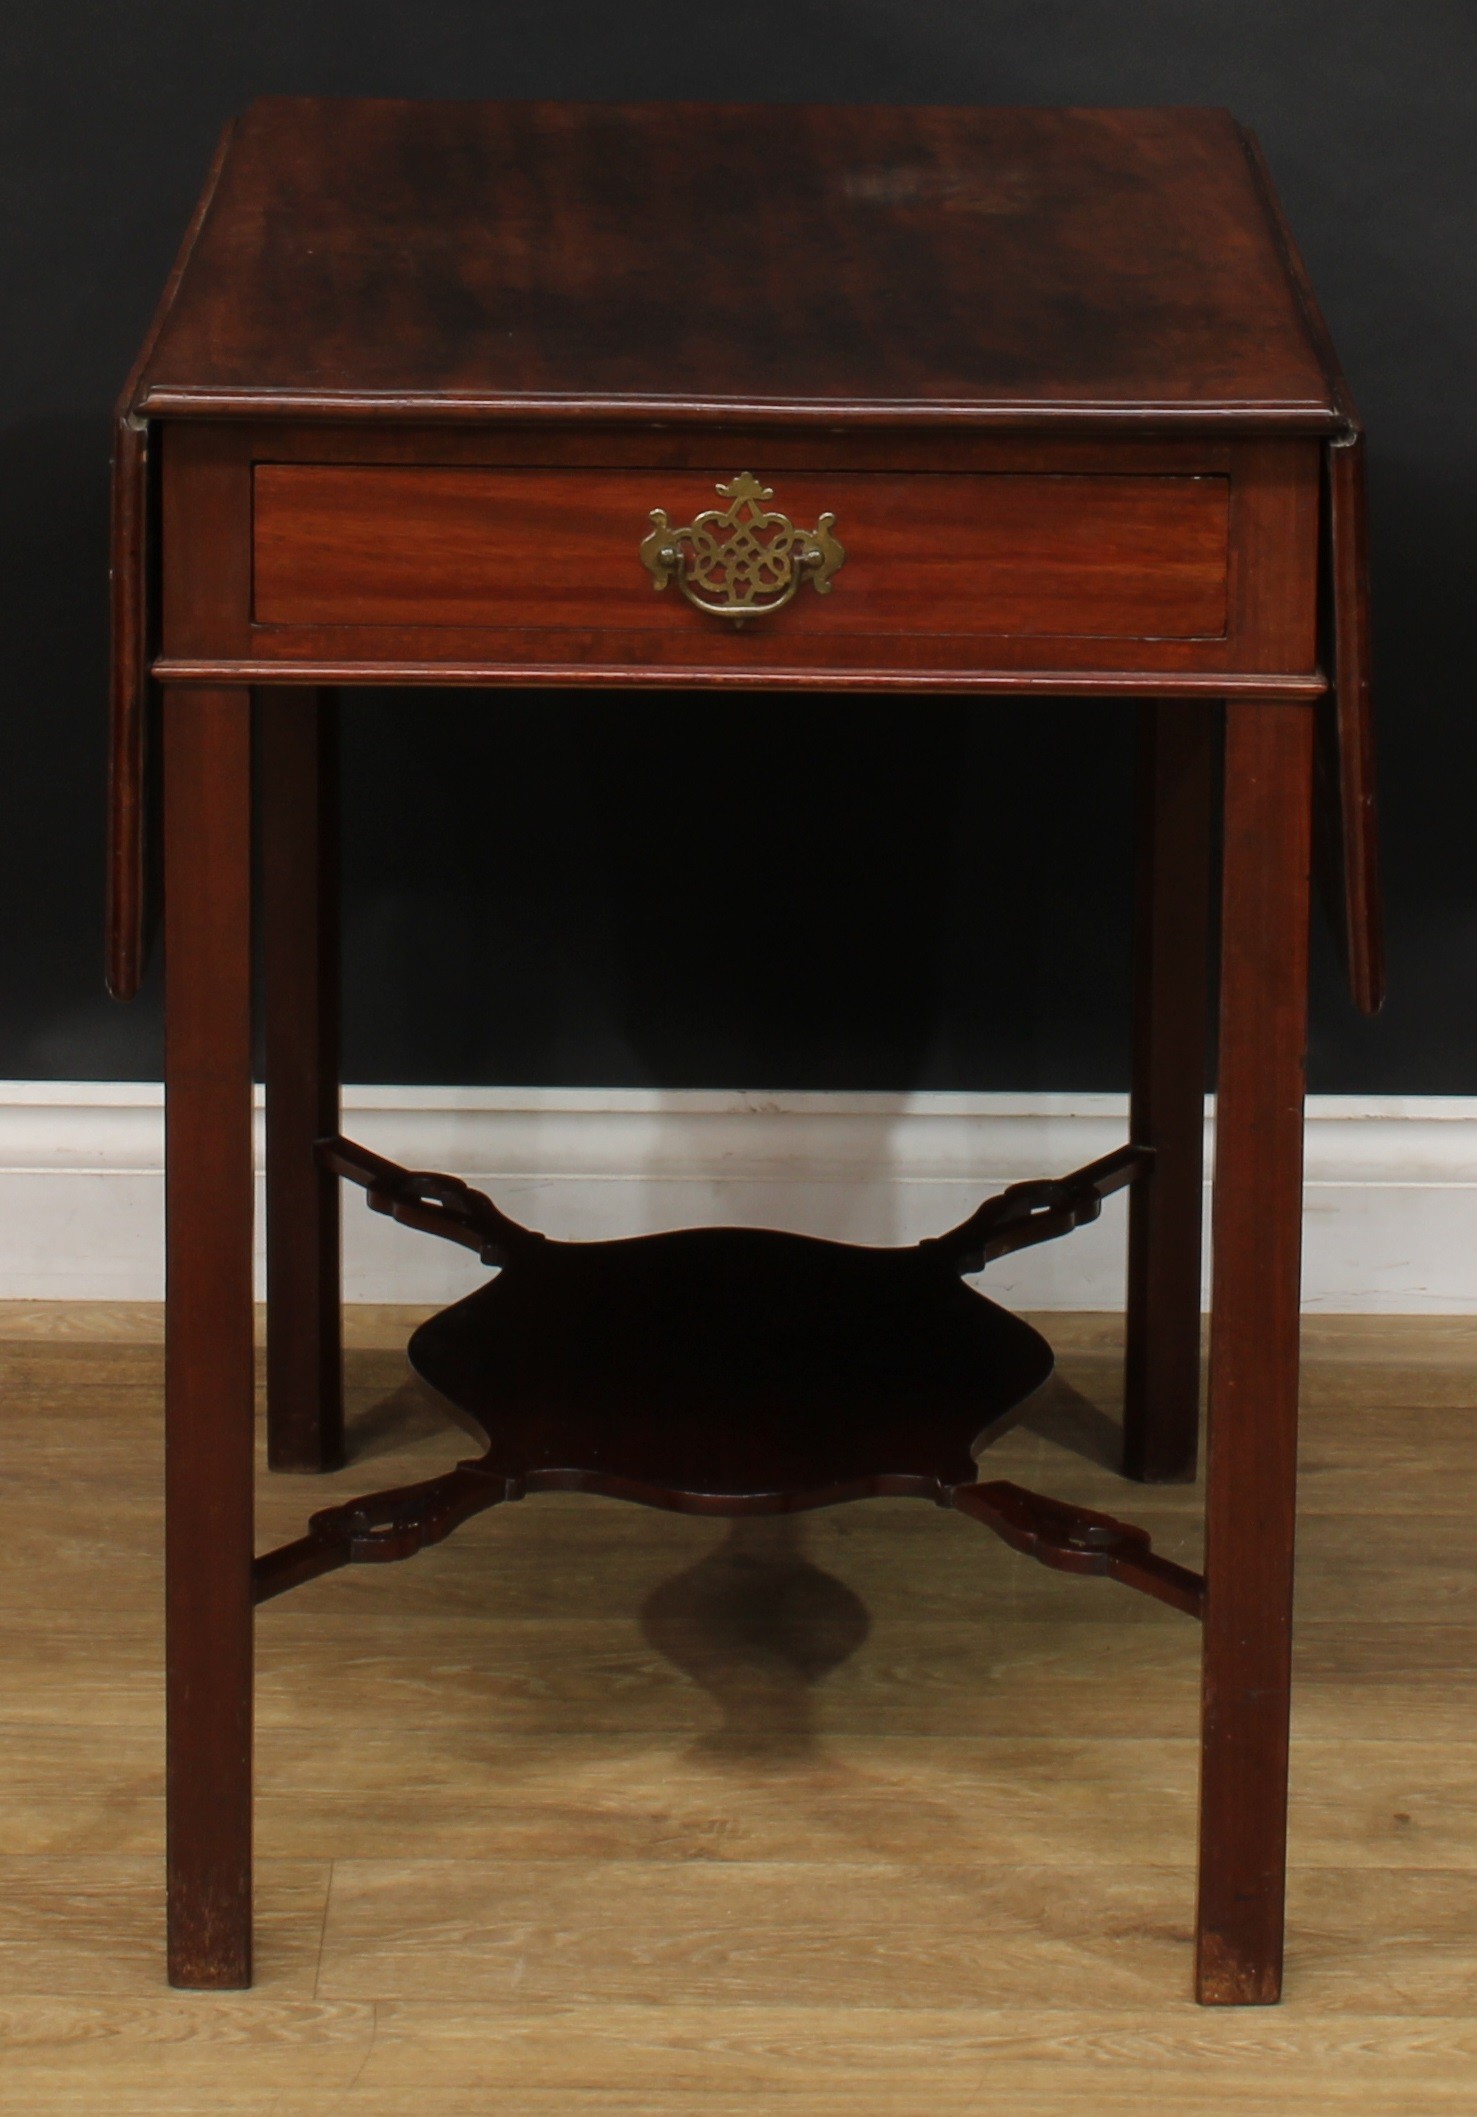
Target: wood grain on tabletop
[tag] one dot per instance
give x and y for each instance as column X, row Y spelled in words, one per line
column 579, row 257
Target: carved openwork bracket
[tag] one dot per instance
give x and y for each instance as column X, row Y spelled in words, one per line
column 1016, row 1219
column 1078, row 1540
column 1028, row 1213
column 437, row 1205
column 387, row 1526
column 382, row 1527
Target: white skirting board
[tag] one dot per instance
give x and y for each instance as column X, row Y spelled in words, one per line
column 1391, row 1221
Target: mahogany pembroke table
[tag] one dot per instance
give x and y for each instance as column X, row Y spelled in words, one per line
column 998, row 402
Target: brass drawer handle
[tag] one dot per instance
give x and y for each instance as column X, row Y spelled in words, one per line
column 738, row 561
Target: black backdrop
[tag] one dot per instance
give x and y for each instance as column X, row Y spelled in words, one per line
column 678, row 892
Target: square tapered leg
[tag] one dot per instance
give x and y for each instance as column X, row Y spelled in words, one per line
column 1251, row 1471
column 298, row 760
column 208, row 1361
column 1161, row 1406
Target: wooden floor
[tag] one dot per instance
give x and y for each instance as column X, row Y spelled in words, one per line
column 596, row 1809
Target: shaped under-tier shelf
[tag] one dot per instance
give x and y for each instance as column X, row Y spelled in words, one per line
column 729, row 1371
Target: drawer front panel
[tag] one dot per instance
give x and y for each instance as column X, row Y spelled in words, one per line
column 1028, row 556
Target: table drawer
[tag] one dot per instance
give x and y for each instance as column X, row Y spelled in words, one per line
column 1027, row 555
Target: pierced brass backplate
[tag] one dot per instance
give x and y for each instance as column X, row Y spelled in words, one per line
column 739, row 561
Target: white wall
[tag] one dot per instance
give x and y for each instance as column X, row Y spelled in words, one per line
column 1391, row 1198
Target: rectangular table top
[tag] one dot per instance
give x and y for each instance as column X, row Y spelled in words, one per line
column 1038, row 271
column 994, row 267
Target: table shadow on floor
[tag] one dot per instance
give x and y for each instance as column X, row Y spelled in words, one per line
column 758, row 1625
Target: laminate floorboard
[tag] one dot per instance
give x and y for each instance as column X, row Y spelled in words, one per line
column 599, row 1810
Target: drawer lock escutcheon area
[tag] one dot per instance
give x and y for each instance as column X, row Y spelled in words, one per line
column 741, row 561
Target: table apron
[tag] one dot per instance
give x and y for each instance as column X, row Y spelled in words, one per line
column 1124, row 568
